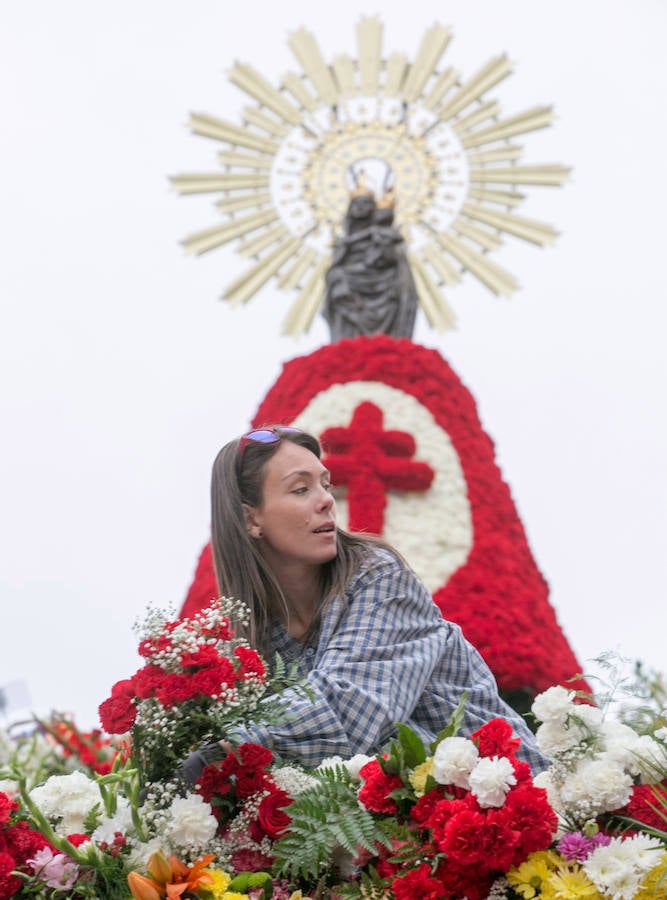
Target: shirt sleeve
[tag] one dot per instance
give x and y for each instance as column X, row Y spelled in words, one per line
column 377, row 652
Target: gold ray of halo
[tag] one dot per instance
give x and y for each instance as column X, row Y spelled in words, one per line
column 485, row 211
column 210, row 238
column 444, row 269
column 299, row 91
column 528, row 229
column 431, row 299
column 483, row 112
column 443, row 83
column 243, row 288
column 249, row 80
column 497, row 279
column 254, row 116
column 245, row 201
column 547, row 175
column 484, row 79
column 505, row 153
column 486, row 239
column 209, row 126
column 343, row 69
column 305, row 48
column 505, row 198
column 245, row 160
column 433, row 45
column 530, row 120
column 253, row 246
column 395, row 72
column 292, row 277
column 369, row 50
column 302, row 312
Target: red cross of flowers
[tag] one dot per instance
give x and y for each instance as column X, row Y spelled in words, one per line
column 371, row 461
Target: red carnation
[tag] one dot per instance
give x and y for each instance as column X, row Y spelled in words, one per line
column 377, row 787
column 648, row 805
column 147, row 680
column 251, row 663
column 10, row 884
column 417, row 884
column 77, row 839
column 527, row 811
column 7, row 807
column 472, row 837
column 175, row 688
column 496, row 739
column 118, row 712
column 205, row 655
column 255, row 755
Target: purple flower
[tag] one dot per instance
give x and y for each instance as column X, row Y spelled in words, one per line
column 576, row 846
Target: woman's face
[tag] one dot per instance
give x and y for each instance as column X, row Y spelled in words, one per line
column 297, row 514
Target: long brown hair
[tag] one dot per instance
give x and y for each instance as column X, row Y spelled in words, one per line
column 240, row 568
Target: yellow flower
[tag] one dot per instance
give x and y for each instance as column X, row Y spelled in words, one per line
column 654, row 885
column 419, row 776
column 233, row 895
column 217, row 888
column 530, row 878
column 569, row 882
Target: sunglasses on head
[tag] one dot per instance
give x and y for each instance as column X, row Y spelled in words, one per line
column 264, row 436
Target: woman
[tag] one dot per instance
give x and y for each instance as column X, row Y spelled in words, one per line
column 363, row 629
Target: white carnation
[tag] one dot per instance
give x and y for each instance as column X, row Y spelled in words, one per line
column 121, row 821
column 553, row 705
column 357, row 762
column 587, row 716
column 191, row 823
column 67, row 800
column 453, row 761
column 596, row 786
column 491, row 779
column 554, row 738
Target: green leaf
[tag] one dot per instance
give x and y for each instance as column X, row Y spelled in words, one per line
column 455, row 723
column 414, row 752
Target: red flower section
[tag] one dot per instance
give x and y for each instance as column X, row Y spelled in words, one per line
column 417, row 885
column 496, row 738
column 377, row 787
column 118, row 713
column 18, row 844
column 648, row 805
column 271, row 817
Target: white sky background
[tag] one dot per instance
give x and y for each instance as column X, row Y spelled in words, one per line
column 122, row 374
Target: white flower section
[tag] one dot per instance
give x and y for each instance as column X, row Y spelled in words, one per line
column 553, row 705
column 433, row 529
column 292, row 780
column 191, row 824
column 120, row 821
column 352, row 765
column 67, row 800
column 617, row 869
column 491, row 779
column 598, row 785
column 454, row 760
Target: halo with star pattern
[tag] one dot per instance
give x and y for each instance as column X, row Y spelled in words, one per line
column 416, row 130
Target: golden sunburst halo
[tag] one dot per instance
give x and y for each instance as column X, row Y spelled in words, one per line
column 416, row 127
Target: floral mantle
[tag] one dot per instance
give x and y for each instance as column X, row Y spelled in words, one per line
column 434, row 491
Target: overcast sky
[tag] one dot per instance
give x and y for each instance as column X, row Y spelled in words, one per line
column 122, row 373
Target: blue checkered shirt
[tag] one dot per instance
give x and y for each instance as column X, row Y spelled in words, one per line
column 383, row 655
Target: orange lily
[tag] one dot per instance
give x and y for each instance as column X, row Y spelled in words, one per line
column 143, row 888
column 188, row 878
column 169, row 877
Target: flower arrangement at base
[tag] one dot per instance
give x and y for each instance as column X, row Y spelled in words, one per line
column 608, row 786
column 460, row 818
column 442, row 821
